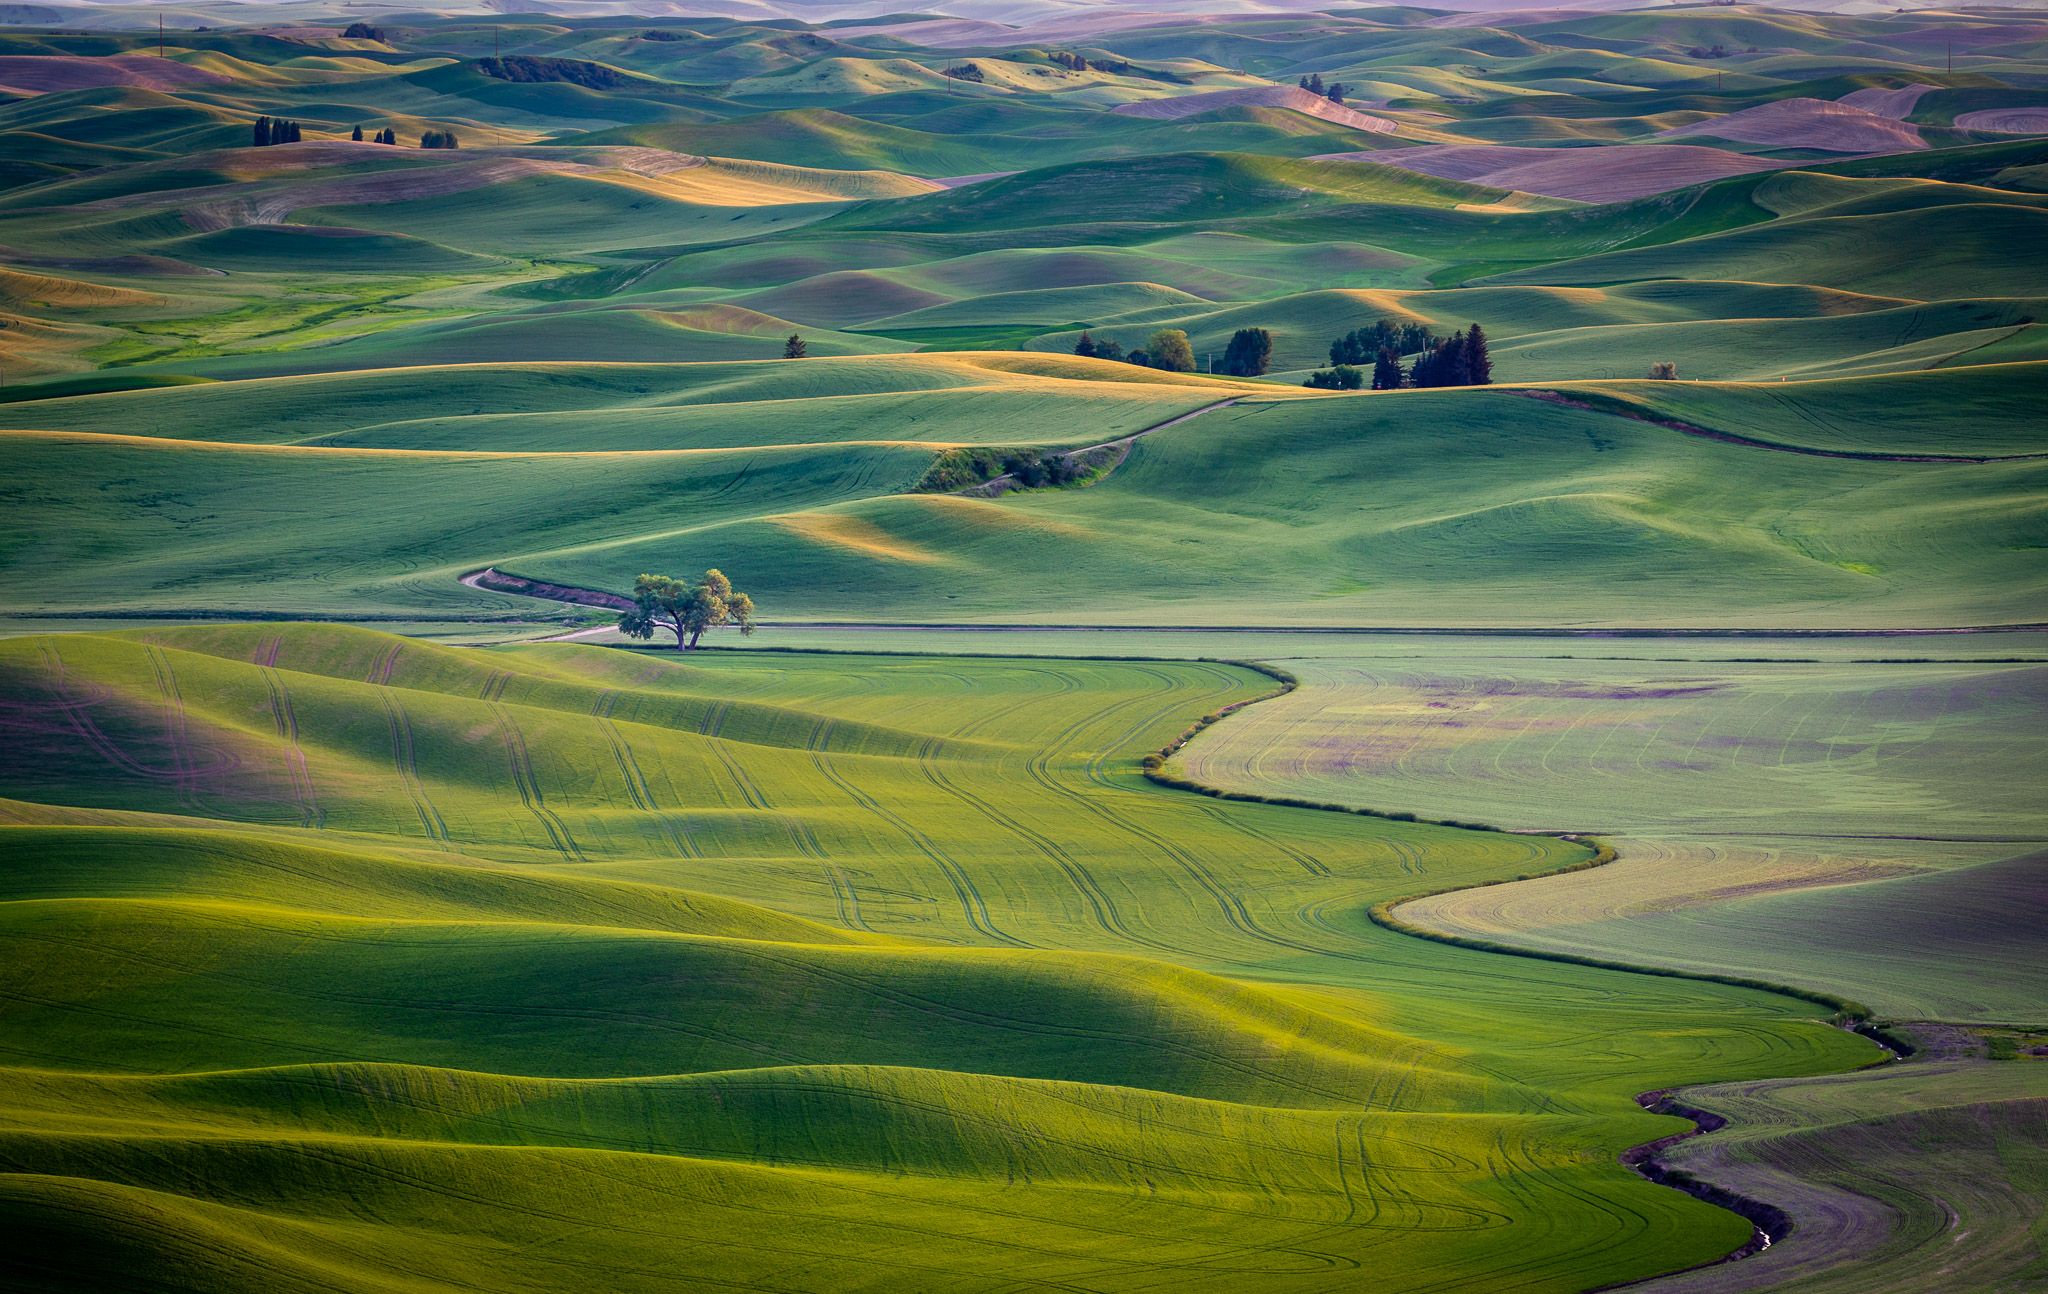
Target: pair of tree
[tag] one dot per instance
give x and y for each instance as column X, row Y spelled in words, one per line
column 1107, row 348
column 686, row 609
column 268, row 131
column 439, row 139
column 1334, row 92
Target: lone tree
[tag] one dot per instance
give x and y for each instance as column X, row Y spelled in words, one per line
column 686, row 609
column 1249, row 352
column 356, row 135
column 1168, row 349
column 794, row 348
column 1085, row 347
column 1664, row 371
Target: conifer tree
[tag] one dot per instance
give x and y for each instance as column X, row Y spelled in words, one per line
column 1386, row 371
column 1249, row 352
column 795, row 348
column 262, row 132
column 1085, row 346
column 356, row 135
column 1478, row 364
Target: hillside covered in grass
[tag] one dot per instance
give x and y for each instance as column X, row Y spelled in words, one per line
column 1649, row 355
column 452, row 941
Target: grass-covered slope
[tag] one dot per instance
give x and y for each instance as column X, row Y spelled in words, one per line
column 883, row 964
column 1484, row 507
column 1769, row 814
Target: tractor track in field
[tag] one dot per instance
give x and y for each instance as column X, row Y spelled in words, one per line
column 527, row 783
column 635, row 781
column 971, row 902
column 407, row 764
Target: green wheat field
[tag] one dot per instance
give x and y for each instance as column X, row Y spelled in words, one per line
column 1384, row 649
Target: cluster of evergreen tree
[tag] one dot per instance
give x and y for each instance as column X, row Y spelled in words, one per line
column 1334, row 91
column 275, row 130
column 1361, row 345
column 1460, row 359
column 363, row 31
column 1457, row 360
column 439, row 139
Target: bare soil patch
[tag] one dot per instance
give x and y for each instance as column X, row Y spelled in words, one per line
column 1613, row 174
column 1897, row 104
column 1809, row 123
column 2007, row 121
column 31, row 74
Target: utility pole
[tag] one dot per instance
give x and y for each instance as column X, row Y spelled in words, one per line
column 160, row 36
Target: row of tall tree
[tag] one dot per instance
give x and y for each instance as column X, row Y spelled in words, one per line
column 275, row 130
column 1460, row 359
column 1248, row 354
column 1363, row 345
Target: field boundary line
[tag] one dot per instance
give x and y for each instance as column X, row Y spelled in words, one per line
column 1593, row 404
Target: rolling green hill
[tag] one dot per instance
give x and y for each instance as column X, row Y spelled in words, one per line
column 493, row 985
column 337, row 961
column 1626, row 522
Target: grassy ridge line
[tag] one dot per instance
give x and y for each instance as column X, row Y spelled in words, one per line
column 1847, row 1010
column 1598, row 402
